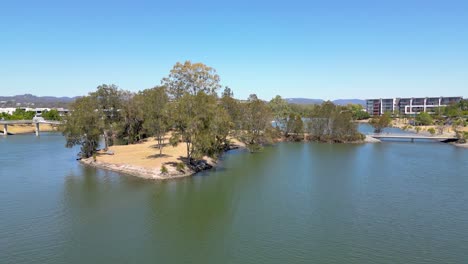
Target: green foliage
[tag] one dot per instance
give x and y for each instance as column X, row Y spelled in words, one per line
column 156, row 113
column 53, row 114
column 180, row 166
column 432, row 131
column 129, row 128
column 109, row 100
column 424, row 119
column 295, row 126
column 358, row 112
column 201, row 124
column 256, row 129
column 18, row 114
column 331, row 123
column 418, row 129
column 164, row 170
column 83, row 126
column 191, row 78
column 381, row 122
column 232, row 108
column 281, row 111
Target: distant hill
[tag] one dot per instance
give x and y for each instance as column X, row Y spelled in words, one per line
column 29, row 100
column 319, row 101
column 304, row 101
column 349, row 101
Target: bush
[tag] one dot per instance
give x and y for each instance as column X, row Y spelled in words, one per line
column 418, row 129
column 164, row 170
column 180, row 167
column 424, row 119
column 431, row 131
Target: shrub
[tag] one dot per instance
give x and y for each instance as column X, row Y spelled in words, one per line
column 164, row 170
column 431, row 131
column 180, row 166
column 418, row 129
column 94, row 157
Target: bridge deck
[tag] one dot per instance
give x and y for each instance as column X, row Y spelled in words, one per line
column 411, row 136
column 28, row 122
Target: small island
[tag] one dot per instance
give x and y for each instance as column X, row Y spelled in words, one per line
column 183, row 126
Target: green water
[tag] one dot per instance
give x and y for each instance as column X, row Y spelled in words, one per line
column 395, row 202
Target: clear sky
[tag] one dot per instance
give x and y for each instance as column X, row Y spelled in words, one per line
column 313, row 49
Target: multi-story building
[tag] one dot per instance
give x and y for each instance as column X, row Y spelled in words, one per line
column 408, row 106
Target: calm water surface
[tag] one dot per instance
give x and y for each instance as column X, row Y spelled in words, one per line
column 394, row 202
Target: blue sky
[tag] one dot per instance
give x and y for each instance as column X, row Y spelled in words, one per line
column 314, row 49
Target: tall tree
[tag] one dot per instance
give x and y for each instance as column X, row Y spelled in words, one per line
column 130, row 125
column 199, row 123
column 156, row 113
column 83, row 126
column 281, row 111
column 231, row 106
column 191, row 78
column 381, row 122
column 331, row 123
column 109, row 102
column 256, row 123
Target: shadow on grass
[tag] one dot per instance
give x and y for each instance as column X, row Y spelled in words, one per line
column 157, row 156
column 156, row 146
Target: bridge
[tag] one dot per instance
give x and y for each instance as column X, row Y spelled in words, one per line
column 412, row 137
column 5, row 124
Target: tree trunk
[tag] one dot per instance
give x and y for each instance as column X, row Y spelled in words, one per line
column 106, row 141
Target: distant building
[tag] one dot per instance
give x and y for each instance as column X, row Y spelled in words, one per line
column 408, row 106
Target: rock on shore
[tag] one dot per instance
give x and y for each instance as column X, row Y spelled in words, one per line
column 370, row 139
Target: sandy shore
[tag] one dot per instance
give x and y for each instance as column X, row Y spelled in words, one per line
column 28, row 129
column 143, row 160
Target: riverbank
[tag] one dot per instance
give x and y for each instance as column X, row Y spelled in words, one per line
column 143, row 160
column 463, row 145
column 446, row 130
column 29, row 129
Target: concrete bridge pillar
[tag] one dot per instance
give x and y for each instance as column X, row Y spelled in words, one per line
column 37, row 128
column 5, row 129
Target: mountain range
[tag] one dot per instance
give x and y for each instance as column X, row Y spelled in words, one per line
column 29, row 100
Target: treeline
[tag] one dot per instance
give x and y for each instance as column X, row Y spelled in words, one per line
column 21, row 114
column 190, row 108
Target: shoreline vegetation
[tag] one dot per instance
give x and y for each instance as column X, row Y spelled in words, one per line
column 183, row 125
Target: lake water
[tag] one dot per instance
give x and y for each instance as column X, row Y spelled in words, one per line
column 393, row 202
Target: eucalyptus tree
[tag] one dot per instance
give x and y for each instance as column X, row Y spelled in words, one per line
column 191, row 78
column 83, row 125
column 381, row 122
column 281, row 111
column 200, row 123
column 130, row 125
column 155, row 106
column 109, row 103
column 256, row 123
column 232, row 107
column 331, row 123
